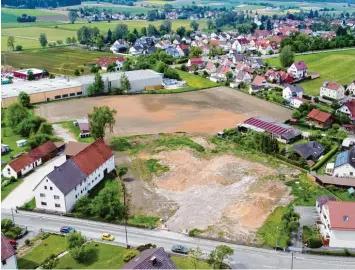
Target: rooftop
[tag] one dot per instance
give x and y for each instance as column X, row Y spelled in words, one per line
column 6, row 249
column 154, row 258
column 319, row 115
column 25, row 71
column 342, row 215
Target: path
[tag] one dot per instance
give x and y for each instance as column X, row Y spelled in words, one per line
column 63, row 133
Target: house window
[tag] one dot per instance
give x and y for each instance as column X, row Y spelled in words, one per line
column 45, row 187
column 65, row 95
column 57, row 97
column 42, row 195
column 351, row 173
column 57, row 205
column 56, row 197
column 50, row 188
column 43, row 203
column 8, row 169
column 72, row 94
column 75, row 188
column 76, row 196
column 81, row 192
column 79, row 93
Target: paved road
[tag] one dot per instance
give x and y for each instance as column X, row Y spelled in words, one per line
column 245, row 257
column 24, row 192
column 63, row 133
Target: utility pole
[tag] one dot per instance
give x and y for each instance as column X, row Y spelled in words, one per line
column 125, row 225
column 13, row 217
column 292, row 261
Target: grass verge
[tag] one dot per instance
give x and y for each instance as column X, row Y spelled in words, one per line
column 185, row 263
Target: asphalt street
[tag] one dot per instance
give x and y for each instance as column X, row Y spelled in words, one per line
column 244, row 258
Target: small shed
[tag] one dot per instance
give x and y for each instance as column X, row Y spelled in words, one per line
column 21, row 143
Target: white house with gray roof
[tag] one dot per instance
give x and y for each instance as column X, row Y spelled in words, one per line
column 292, row 91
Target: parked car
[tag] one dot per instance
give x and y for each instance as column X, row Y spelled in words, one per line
column 107, row 236
column 67, row 229
column 180, row 249
column 22, row 233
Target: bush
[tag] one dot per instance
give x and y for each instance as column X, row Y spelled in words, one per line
column 195, row 232
column 325, row 158
column 18, row 48
column 315, row 243
column 44, row 235
column 146, row 246
column 10, row 234
column 45, row 128
column 6, row 224
column 50, row 262
column 27, row 242
column 129, row 255
column 120, row 144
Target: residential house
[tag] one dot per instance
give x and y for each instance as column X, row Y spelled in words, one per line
column 337, row 224
column 136, row 50
column 283, row 133
column 60, row 189
column 254, row 62
column 221, row 73
column 310, row 151
column 332, row 90
column 351, row 88
column 240, row 45
column 348, row 108
column 163, row 44
column 183, row 49
column 298, row 69
column 119, row 46
column 292, row 91
column 210, row 67
column 173, row 52
column 259, row 83
column 319, row 119
column 280, row 77
column 296, row 102
column 344, row 165
column 241, row 77
column 104, row 62
column 154, row 258
column 8, row 254
column 195, row 61
column 29, row 161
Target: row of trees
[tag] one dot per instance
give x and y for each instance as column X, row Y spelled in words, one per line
column 40, row 3
column 25, row 18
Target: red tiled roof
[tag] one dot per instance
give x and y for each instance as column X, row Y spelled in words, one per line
column 351, row 106
column 342, row 215
column 196, row 61
column 6, row 249
column 93, row 156
column 300, row 65
column 319, row 115
column 258, row 80
column 183, row 46
column 106, row 61
column 32, row 156
column 333, row 86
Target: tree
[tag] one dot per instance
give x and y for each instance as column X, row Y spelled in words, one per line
column 229, row 75
column 296, row 114
column 37, row 140
column 126, row 66
column 171, row 73
column 194, row 25
column 15, row 113
column 72, row 16
column 131, row 38
column 101, row 119
column 24, row 99
column 218, row 255
column 167, row 26
column 143, row 31
column 125, row 85
column 43, row 40
column 75, row 239
column 181, row 31
column 99, row 42
column 286, row 56
column 11, row 43
column 95, row 69
column 194, row 256
column 97, row 87
column 77, row 72
column 209, row 24
column 121, row 31
column 73, row 40
column 152, row 30
column 68, row 40
column 112, row 67
column 83, row 253
column 122, row 171
column 45, row 128
column 18, row 47
column 195, row 51
column 59, row 42
column 6, row 224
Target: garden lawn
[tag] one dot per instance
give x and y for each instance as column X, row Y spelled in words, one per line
column 185, row 263
column 108, row 257
column 6, row 190
column 332, row 66
column 271, row 232
column 196, row 81
column 54, row 244
column 76, row 131
column 55, row 60
column 9, row 137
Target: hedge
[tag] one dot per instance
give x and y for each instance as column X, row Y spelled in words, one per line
column 326, row 157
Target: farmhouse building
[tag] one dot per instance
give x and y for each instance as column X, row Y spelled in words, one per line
column 60, row 189
column 283, row 133
column 292, row 91
column 298, row 69
column 349, row 109
column 337, row 223
column 30, row 160
column 319, row 119
column 296, row 102
column 8, row 254
column 332, row 90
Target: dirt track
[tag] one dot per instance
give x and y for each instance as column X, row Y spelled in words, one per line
column 206, row 111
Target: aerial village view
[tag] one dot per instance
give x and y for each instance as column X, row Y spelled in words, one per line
column 178, row 134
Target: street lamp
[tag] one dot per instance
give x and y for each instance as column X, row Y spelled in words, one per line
column 125, row 225
column 277, row 237
column 13, row 217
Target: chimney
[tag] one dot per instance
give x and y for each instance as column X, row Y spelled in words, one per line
column 153, row 260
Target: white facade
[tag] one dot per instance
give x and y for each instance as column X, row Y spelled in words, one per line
column 345, row 170
column 9, row 172
column 351, row 88
column 334, row 94
column 50, row 198
column 297, row 73
column 345, row 109
column 295, row 102
column 287, row 93
column 9, row 263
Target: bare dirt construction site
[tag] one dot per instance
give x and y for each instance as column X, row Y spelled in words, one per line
column 222, row 194
column 206, row 111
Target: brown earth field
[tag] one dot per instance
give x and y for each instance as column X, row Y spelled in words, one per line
column 206, row 111
column 222, row 194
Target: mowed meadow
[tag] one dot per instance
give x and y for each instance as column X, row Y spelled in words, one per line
column 336, row 66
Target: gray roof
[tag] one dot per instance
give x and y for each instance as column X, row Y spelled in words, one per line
column 309, row 150
column 295, row 88
column 144, row 260
column 67, row 176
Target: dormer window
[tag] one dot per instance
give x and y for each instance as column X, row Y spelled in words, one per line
column 346, row 218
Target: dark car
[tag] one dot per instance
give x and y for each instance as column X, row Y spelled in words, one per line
column 22, row 233
column 180, row 249
column 67, row 229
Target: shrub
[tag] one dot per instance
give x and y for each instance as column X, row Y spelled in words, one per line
column 6, row 224
column 315, row 243
column 120, row 144
column 129, row 255
column 10, row 234
column 44, row 235
column 27, row 242
column 146, row 246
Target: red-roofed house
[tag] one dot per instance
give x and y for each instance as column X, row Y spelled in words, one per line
column 319, row 119
column 298, row 69
column 333, row 90
column 338, row 224
column 349, row 109
column 8, row 254
column 195, row 61
column 30, row 160
column 104, row 62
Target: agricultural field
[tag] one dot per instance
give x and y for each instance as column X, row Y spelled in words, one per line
column 332, row 66
column 55, row 60
column 9, row 15
column 27, row 43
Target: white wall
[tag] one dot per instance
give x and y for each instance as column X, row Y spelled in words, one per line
column 342, row 239
column 332, row 93
column 8, row 172
column 11, row 263
column 345, row 170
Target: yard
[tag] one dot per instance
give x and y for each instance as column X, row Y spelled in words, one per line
column 9, row 137
column 107, row 257
column 185, row 263
column 75, row 131
column 55, row 60
column 332, row 66
column 196, row 81
column 54, row 244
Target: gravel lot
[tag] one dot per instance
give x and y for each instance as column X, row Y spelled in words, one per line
column 206, row 111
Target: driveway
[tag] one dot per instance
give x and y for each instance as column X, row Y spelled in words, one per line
column 63, row 134
column 308, row 214
column 24, row 192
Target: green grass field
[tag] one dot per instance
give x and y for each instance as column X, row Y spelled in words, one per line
column 55, row 60
column 9, row 137
column 185, row 263
column 107, row 257
column 54, row 244
column 332, row 66
column 9, row 15
column 27, row 43
column 196, row 81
